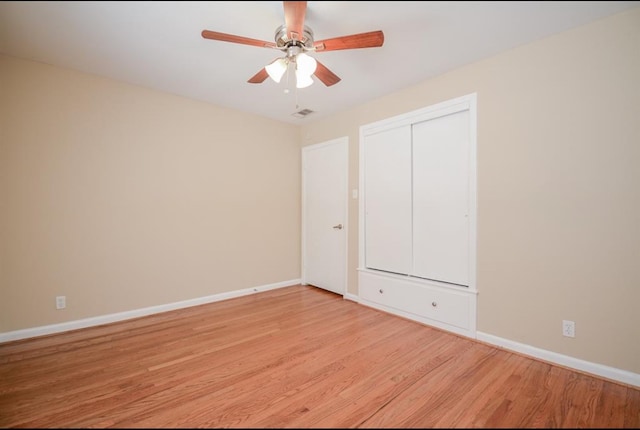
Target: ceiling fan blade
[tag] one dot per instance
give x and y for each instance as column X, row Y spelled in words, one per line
column 325, row 75
column 372, row 39
column 259, row 77
column 224, row 37
column 294, row 15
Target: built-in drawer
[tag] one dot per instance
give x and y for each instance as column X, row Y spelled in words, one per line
column 452, row 308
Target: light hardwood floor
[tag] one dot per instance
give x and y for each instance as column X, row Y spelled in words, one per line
column 292, row 357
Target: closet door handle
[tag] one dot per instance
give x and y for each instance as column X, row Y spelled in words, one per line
column 338, row 227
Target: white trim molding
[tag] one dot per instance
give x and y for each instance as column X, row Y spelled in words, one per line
column 608, row 372
column 120, row 316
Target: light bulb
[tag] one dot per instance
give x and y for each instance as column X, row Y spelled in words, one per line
column 277, row 68
column 303, row 80
column 306, row 64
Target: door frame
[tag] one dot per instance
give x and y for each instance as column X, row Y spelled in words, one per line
column 344, row 143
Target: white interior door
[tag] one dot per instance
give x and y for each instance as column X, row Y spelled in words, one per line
column 324, row 215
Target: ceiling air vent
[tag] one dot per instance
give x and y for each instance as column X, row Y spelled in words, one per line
column 302, row 113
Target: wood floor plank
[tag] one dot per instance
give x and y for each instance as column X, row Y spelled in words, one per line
column 427, row 401
column 294, row 357
column 224, row 361
column 632, row 409
column 313, row 371
column 377, row 373
column 282, row 375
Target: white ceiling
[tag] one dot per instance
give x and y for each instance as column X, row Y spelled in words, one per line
column 158, row 44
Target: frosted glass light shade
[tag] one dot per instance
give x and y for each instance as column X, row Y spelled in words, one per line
column 277, row 68
column 303, row 80
column 306, row 64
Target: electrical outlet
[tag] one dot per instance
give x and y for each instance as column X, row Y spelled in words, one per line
column 61, row 302
column 568, row 328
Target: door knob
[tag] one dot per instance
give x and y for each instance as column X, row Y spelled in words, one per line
column 338, row 227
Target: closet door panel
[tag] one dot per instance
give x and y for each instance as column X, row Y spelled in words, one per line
column 387, row 181
column 441, row 198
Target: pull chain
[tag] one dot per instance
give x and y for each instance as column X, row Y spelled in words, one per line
column 296, row 94
column 295, row 91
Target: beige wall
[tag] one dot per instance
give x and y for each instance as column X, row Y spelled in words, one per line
column 120, row 197
column 558, row 187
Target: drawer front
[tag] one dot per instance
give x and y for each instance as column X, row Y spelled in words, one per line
column 449, row 307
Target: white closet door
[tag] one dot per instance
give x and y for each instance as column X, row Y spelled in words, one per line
column 441, row 198
column 387, row 181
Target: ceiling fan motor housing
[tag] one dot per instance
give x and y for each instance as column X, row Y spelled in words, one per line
column 283, row 42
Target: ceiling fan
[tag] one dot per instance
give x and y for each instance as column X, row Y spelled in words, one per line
column 296, row 39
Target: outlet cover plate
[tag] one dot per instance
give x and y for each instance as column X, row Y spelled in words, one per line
column 568, row 328
column 61, row 302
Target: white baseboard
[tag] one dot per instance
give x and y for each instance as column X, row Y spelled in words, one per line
column 611, row 373
column 105, row 319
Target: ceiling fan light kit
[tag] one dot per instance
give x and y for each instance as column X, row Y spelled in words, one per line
column 305, row 66
column 295, row 40
column 303, row 81
column 277, row 68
